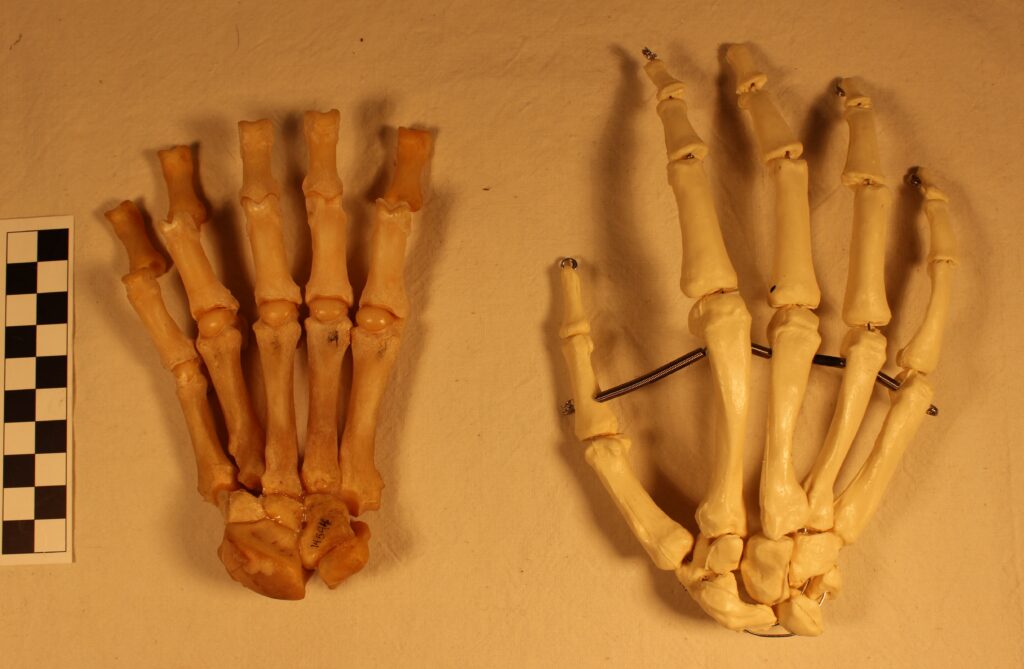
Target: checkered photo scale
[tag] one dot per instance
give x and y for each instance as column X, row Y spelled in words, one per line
column 35, row 424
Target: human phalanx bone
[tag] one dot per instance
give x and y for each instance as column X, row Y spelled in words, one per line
column 297, row 524
column 788, row 574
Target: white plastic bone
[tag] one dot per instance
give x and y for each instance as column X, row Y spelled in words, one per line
column 860, row 500
column 764, row 568
column 665, row 541
column 865, row 302
column 723, row 322
column 706, row 265
column 813, row 555
column 864, row 351
column 748, row 77
column 793, row 335
column 774, row 138
column 922, row 353
column 800, row 614
column 793, row 280
column 862, row 159
column 666, row 85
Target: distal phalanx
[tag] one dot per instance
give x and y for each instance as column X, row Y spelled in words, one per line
column 283, row 518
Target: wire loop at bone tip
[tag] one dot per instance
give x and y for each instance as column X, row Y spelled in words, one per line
column 567, row 261
column 648, row 54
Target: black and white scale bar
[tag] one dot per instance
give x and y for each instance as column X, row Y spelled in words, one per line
column 36, row 464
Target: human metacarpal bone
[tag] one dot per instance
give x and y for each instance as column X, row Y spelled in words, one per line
column 280, row 526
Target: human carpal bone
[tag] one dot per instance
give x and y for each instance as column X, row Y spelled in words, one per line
column 283, row 518
column 788, row 564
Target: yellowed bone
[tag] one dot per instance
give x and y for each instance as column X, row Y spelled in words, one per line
column 216, row 474
column 380, row 320
column 205, row 292
column 131, row 230
column 222, row 354
column 375, row 342
column 326, row 342
column 214, row 309
column 414, row 149
column 373, row 355
column 277, row 339
column 329, row 296
column 179, row 175
column 321, row 132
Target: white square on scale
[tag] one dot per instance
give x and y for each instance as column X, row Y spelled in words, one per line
column 52, row 339
column 50, row 537
column 51, row 469
column 19, row 503
column 21, row 310
column 52, row 276
column 19, row 438
column 51, row 404
column 19, row 373
column 21, row 246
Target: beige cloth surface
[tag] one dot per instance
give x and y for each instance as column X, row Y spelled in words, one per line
column 496, row 545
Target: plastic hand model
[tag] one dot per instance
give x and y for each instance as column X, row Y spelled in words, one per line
column 282, row 519
column 788, row 566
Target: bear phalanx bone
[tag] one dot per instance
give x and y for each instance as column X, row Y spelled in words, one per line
column 282, row 522
column 788, row 567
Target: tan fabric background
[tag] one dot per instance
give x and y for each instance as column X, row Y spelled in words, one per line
column 496, row 545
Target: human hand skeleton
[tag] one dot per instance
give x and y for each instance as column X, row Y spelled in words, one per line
column 789, row 566
column 282, row 520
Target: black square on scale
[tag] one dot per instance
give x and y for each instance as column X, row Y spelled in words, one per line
column 21, row 278
column 19, row 537
column 19, row 471
column 51, row 308
column 51, row 502
column 20, row 341
column 19, row 406
column 52, row 244
column 52, row 371
column 51, row 436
